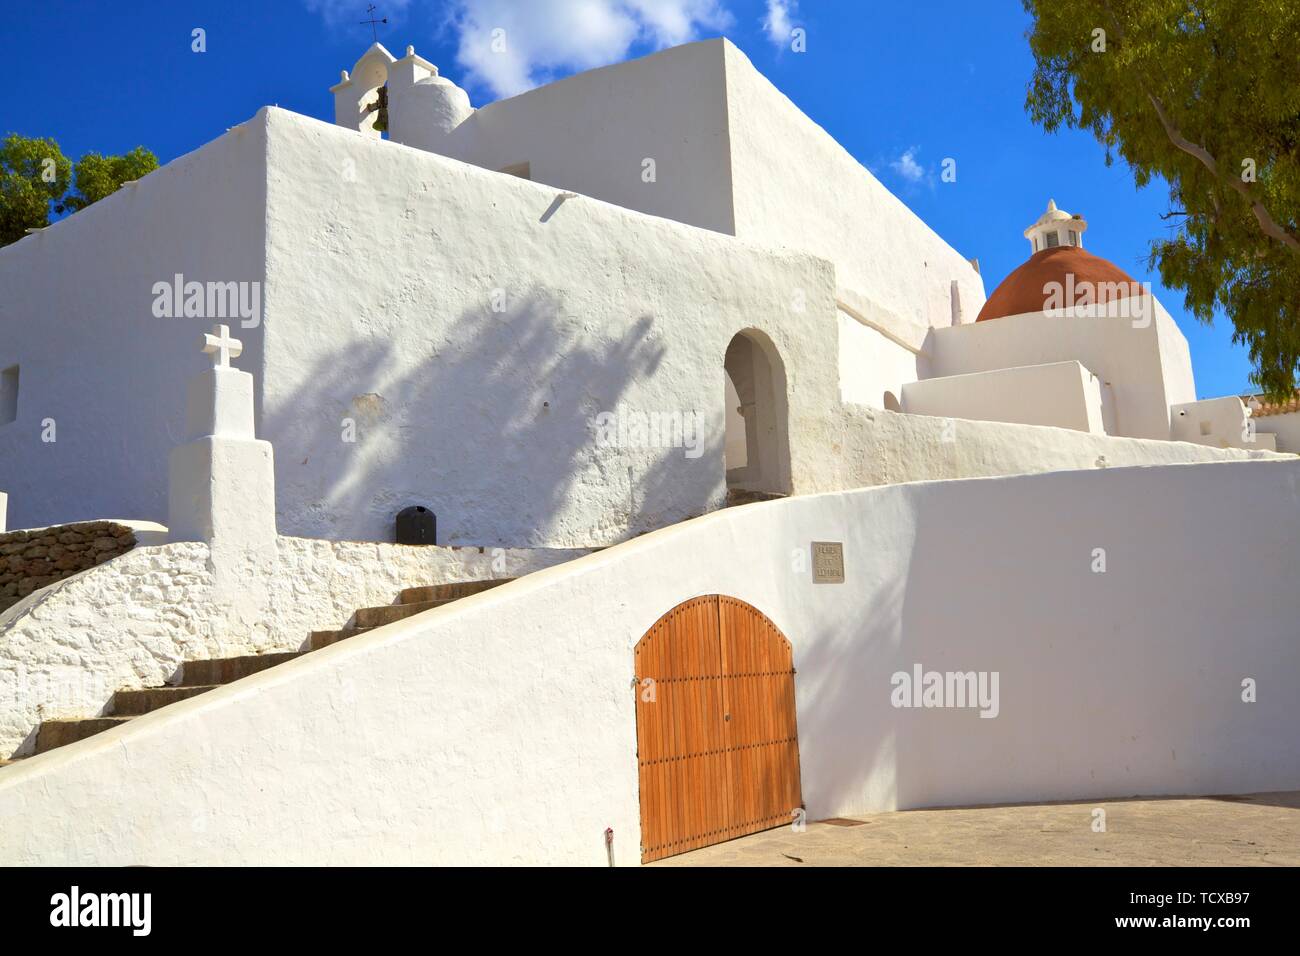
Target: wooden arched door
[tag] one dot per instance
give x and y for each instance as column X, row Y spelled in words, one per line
column 717, row 742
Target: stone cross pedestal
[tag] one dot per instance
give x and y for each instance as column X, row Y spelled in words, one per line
column 221, row 483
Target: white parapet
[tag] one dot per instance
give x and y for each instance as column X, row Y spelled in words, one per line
column 4, row 510
column 221, row 483
column 1060, row 394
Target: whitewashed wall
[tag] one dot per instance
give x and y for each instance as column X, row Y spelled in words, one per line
column 592, row 133
column 1221, row 422
column 76, row 315
column 486, row 416
column 131, row 622
column 1284, row 428
column 733, row 154
column 500, row 729
column 874, row 447
column 797, row 188
column 385, row 264
column 1143, row 357
column 872, row 365
column 1060, row 394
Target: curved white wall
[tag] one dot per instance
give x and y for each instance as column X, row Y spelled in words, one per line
column 132, row 622
column 500, row 729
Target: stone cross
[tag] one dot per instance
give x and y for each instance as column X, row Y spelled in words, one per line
column 221, row 346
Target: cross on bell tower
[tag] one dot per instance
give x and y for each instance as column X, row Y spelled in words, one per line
column 370, row 9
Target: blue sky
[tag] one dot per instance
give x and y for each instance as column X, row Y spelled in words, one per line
column 927, row 80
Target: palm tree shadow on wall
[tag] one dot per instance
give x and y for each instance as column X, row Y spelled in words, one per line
column 490, row 423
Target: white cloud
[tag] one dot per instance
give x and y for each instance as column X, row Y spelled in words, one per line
column 907, row 166
column 511, row 47
column 777, row 23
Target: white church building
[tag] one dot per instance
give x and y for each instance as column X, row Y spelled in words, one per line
column 575, row 326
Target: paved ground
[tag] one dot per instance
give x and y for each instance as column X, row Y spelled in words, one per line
column 1258, row 830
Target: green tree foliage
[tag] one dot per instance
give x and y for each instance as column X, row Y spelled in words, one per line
column 37, row 180
column 1204, row 94
column 99, row 176
column 34, row 175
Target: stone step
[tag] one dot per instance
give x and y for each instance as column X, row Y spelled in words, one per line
column 11, row 760
column 368, row 617
column 57, row 733
column 449, row 592
column 223, row 670
column 321, row 639
column 132, row 703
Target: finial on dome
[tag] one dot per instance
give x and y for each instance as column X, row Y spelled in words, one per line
column 1055, row 228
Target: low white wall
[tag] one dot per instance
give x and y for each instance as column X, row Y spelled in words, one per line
column 1131, row 345
column 500, row 729
column 1220, row 422
column 1285, row 428
column 1063, row 395
column 132, row 621
column 876, row 447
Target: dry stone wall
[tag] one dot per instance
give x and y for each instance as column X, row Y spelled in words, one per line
column 32, row 559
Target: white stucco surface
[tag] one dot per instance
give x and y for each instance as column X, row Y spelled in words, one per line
column 486, row 328
column 795, row 187
column 97, row 366
column 1061, row 394
column 1285, row 428
column 131, row 622
column 1221, row 422
column 1141, row 358
column 436, row 333
column 593, row 132
column 874, row 447
column 872, row 365
column 504, row 723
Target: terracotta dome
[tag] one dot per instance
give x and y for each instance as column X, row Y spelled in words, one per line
column 1026, row 288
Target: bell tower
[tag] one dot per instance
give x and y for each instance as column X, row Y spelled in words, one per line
column 405, row 98
column 360, row 96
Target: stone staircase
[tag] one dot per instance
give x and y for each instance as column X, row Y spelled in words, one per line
column 198, row 677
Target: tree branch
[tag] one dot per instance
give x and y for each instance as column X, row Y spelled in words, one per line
column 1266, row 222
